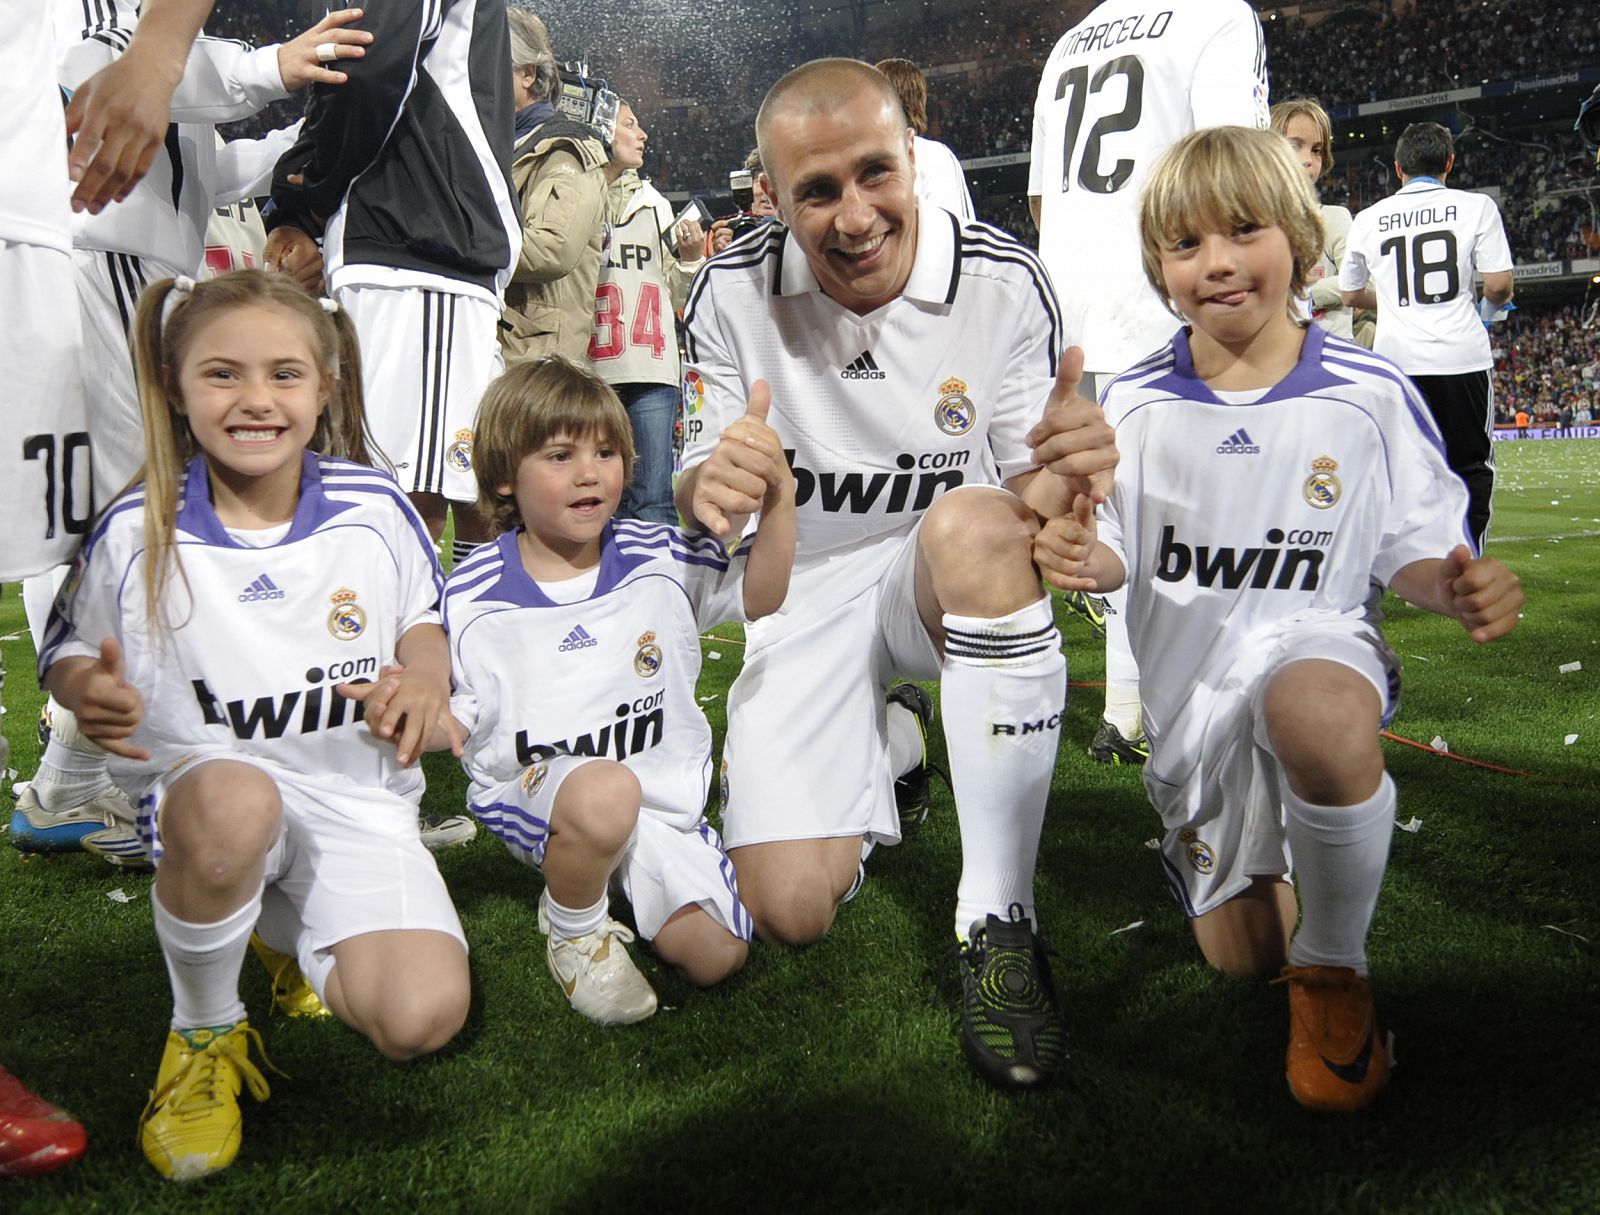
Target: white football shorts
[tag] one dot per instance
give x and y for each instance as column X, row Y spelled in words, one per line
column 426, row 358
column 1212, row 775
column 807, row 750
column 349, row 859
column 661, row 870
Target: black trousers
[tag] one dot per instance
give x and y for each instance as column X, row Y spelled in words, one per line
column 1463, row 407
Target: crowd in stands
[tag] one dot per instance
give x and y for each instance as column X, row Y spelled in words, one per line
column 1547, row 364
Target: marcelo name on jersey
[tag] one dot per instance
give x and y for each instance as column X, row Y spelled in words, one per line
column 920, row 479
column 1268, row 567
column 320, row 706
column 638, row 727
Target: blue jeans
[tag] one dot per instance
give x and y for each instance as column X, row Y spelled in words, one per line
column 653, row 410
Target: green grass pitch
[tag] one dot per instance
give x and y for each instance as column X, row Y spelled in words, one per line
column 831, row 1079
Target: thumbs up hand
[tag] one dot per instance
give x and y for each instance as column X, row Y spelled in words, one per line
column 746, row 467
column 109, row 708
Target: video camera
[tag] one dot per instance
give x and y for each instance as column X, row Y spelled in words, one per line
column 589, row 101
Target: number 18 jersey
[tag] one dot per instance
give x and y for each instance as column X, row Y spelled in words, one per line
column 1118, row 90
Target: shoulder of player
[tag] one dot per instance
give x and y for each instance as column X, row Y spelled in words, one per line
column 1381, row 385
column 987, row 251
column 749, row 262
column 1143, row 384
column 664, row 542
column 122, row 519
column 361, row 484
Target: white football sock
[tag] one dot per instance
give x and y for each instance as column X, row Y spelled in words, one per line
column 906, row 749
column 567, row 923
column 1339, row 855
column 1122, row 672
column 72, row 770
column 203, row 962
column 1002, row 691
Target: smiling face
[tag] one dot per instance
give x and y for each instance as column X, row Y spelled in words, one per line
column 845, row 184
column 252, row 391
column 628, row 140
column 565, row 491
column 1232, row 286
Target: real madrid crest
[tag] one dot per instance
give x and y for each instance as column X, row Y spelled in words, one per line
column 533, row 776
column 1201, row 859
column 1322, row 487
column 647, row 661
column 955, row 412
column 459, row 454
column 348, row 620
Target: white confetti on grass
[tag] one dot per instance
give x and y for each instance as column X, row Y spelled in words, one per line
column 119, row 895
column 1578, row 935
column 1413, row 826
column 1567, row 668
column 1571, row 738
column 1439, row 744
column 714, row 655
column 1126, row 928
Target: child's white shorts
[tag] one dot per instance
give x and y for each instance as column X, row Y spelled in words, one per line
column 1212, row 775
column 661, row 870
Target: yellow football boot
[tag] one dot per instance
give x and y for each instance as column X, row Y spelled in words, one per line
column 191, row 1125
column 291, row 990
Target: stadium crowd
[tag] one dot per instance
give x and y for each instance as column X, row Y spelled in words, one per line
column 1547, row 364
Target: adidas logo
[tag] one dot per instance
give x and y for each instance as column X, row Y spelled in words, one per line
column 578, row 639
column 262, row 588
column 865, row 367
column 1238, row 443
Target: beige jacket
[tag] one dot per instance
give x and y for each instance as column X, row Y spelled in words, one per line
column 559, row 175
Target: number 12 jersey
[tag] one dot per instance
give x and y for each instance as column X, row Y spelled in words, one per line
column 1118, row 90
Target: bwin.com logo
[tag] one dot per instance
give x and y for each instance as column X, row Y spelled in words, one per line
column 1238, row 443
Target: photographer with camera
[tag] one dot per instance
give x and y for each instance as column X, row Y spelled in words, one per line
column 558, row 171
column 644, row 278
column 754, row 206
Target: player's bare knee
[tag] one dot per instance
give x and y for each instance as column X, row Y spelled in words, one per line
column 598, row 804
column 979, row 550
column 419, row 1019
column 218, row 823
column 715, row 956
column 794, row 909
column 1323, row 720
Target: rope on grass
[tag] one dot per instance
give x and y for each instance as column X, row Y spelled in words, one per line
column 1487, row 767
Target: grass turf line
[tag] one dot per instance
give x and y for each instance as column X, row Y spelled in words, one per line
column 831, row 1078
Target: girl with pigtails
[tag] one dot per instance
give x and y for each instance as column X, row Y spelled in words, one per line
column 252, row 632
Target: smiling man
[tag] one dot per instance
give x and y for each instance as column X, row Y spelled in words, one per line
column 913, row 359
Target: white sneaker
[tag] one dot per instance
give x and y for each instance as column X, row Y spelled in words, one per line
column 104, row 825
column 598, row 974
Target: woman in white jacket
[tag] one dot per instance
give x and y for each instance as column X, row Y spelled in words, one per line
column 1306, row 126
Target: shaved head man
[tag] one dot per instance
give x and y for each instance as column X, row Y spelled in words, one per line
column 911, row 368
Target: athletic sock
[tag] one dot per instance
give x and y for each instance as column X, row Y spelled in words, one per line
column 906, row 744
column 1123, row 709
column 72, row 771
column 460, row 550
column 567, row 923
column 203, row 962
column 1339, row 855
column 1003, row 688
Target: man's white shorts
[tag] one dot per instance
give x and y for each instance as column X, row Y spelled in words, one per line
column 348, row 858
column 426, row 358
column 661, row 870
column 45, row 470
column 1212, row 775
column 807, row 750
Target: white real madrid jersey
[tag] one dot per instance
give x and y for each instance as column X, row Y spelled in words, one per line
column 1420, row 247
column 34, row 188
column 880, row 414
column 164, row 217
column 1117, row 91
column 259, row 637
column 1231, row 516
column 612, row 675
